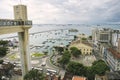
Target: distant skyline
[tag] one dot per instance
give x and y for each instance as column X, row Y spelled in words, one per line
column 66, row 11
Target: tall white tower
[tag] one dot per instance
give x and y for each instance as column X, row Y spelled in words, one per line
column 20, row 13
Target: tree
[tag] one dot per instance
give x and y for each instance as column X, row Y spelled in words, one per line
column 75, row 51
column 76, row 68
column 84, row 39
column 3, row 48
column 65, row 58
column 99, row 67
column 59, row 49
column 3, row 43
column 1, row 61
column 90, row 73
column 34, row 74
column 75, row 37
column 90, row 37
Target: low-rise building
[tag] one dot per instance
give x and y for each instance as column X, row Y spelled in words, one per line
column 97, row 77
column 85, row 47
column 113, row 75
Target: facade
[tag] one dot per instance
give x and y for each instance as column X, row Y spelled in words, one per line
column 102, row 35
column 119, row 45
column 20, row 12
column 97, row 77
column 115, row 37
column 113, row 59
column 107, row 41
column 102, row 48
column 113, row 75
column 85, row 47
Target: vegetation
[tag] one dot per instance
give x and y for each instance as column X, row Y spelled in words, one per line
column 1, row 61
column 65, row 58
column 99, row 67
column 37, row 55
column 12, row 57
column 90, row 37
column 75, row 51
column 3, row 48
column 84, row 39
column 75, row 37
column 59, row 49
column 76, row 68
column 34, row 74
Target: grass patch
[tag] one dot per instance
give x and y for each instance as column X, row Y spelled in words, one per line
column 12, row 57
column 37, row 55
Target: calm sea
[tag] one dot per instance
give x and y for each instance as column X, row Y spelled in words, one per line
column 43, row 36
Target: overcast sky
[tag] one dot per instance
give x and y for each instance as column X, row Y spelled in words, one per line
column 66, row 11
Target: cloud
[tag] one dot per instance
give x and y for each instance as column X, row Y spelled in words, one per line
column 66, row 11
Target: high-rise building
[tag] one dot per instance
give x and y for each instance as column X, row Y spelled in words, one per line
column 20, row 12
column 104, row 35
column 115, row 37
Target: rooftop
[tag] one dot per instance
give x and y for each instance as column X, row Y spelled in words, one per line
column 86, row 43
column 115, row 53
column 78, row 78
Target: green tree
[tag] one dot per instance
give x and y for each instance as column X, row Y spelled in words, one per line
column 90, row 37
column 90, row 73
column 59, row 49
column 1, row 61
column 65, row 58
column 84, row 39
column 3, row 48
column 100, row 67
column 76, row 68
column 34, row 74
column 3, row 43
column 75, row 51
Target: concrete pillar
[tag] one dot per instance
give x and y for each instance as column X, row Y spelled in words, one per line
column 20, row 12
column 24, row 51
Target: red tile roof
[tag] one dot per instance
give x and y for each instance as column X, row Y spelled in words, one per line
column 115, row 53
column 78, row 78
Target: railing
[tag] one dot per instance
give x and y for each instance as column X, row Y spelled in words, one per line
column 7, row 22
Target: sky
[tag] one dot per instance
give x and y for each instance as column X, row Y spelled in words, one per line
column 65, row 11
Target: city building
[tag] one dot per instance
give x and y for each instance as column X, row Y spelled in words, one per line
column 97, row 77
column 102, row 35
column 84, row 46
column 20, row 12
column 78, row 78
column 103, row 48
column 115, row 37
column 119, row 45
column 112, row 58
column 113, row 75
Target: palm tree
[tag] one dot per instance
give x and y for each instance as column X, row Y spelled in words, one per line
column 34, row 74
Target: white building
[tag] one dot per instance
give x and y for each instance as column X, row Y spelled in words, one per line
column 115, row 37
column 113, row 59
